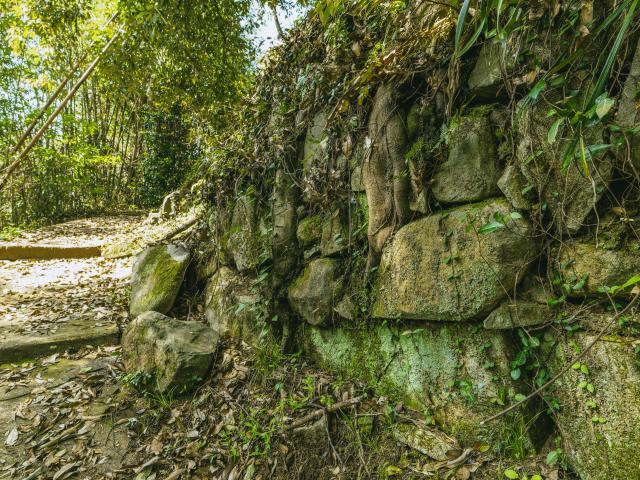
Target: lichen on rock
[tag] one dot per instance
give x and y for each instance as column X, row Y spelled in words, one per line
column 440, row 268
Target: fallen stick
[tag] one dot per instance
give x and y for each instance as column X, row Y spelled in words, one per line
column 568, row 366
column 180, row 228
column 62, row 437
column 319, row 413
column 33, row 474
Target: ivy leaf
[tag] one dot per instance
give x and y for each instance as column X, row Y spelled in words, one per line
column 490, row 227
column 516, row 373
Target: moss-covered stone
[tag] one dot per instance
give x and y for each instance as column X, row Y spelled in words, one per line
column 313, row 295
column 568, row 194
column 472, row 169
column 248, row 240
column 233, row 307
column 512, row 184
column 496, row 57
column 457, row 372
column 315, row 144
column 158, row 273
column 583, row 260
column 599, row 406
column 511, row 315
column 284, row 244
column 335, row 233
column 309, row 230
column 439, row 268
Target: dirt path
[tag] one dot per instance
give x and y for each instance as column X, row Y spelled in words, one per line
column 50, row 305
column 60, row 321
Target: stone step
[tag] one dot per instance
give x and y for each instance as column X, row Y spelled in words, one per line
column 16, row 346
column 47, row 252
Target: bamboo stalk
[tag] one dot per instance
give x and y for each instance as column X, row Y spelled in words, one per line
column 55, row 94
column 11, row 168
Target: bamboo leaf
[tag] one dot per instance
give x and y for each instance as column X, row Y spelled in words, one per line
column 553, row 131
column 460, row 25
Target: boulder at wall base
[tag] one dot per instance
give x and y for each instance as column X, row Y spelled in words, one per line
column 599, row 410
column 175, row 353
column 157, row 276
column 232, row 307
column 313, row 295
column 582, row 260
column 459, row 373
column 439, row 268
column 472, row 169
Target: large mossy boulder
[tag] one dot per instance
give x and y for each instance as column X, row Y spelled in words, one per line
column 232, row 306
column 458, row 373
column 440, row 267
column 582, row 262
column 175, row 354
column 599, row 406
column 313, row 295
column 158, row 273
column 472, row 169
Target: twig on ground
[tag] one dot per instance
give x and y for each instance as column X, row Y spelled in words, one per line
column 318, row 413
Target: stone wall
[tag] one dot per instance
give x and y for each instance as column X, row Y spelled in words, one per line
column 431, row 235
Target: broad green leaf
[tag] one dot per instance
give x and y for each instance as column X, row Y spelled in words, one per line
column 553, row 131
column 553, row 456
column 511, row 474
column 490, row 227
column 460, row 24
column 603, row 105
column 537, row 88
